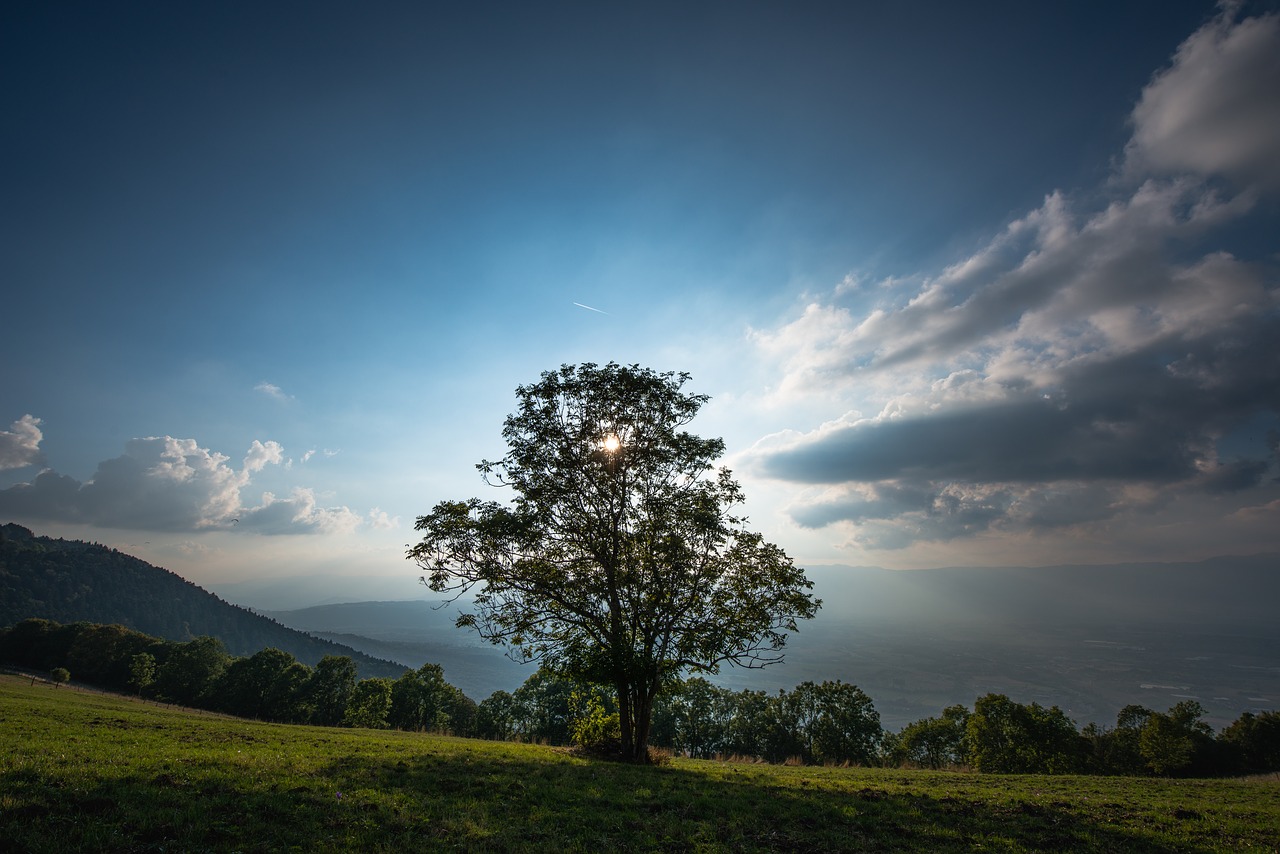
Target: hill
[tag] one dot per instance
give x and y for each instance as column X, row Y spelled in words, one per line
column 70, row 581
column 88, row 771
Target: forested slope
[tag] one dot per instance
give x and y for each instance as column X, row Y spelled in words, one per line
column 69, row 581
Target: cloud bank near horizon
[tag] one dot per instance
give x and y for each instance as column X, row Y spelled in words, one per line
column 1094, row 360
column 165, row 484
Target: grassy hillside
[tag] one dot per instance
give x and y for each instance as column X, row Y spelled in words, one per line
column 70, row 581
column 82, row 771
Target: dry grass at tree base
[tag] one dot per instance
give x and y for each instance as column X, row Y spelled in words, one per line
column 89, row 772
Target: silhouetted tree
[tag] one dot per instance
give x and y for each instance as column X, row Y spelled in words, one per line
column 751, row 729
column 1170, row 743
column 618, row 562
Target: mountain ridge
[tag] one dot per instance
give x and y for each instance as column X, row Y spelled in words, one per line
column 71, row 581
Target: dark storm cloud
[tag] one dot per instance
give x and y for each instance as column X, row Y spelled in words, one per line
column 1139, row 417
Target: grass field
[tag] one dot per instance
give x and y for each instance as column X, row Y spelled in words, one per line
column 89, row 772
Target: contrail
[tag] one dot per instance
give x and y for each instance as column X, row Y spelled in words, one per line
column 589, row 308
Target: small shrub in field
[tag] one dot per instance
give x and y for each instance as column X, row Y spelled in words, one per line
column 594, row 729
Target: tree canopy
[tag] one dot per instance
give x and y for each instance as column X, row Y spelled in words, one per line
column 619, row 559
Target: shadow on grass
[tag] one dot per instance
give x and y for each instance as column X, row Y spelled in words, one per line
column 522, row 800
column 597, row 805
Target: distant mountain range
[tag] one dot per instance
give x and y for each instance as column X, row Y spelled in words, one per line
column 69, row 581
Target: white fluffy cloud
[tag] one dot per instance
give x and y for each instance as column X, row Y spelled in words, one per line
column 161, row 483
column 299, row 513
column 1215, row 110
column 20, row 444
column 1086, row 356
column 380, row 520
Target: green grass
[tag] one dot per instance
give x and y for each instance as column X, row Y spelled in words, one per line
column 92, row 772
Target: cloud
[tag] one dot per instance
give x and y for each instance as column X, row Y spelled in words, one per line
column 171, row 485
column 20, row 444
column 1088, row 354
column 297, row 514
column 260, row 456
column 273, row 391
column 1214, row 110
column 379, row 520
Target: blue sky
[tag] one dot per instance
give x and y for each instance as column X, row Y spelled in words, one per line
column 968, row 283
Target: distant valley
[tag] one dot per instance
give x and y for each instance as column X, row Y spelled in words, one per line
column 1090, row 639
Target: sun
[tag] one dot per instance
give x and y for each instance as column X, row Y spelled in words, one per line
column 611, row 443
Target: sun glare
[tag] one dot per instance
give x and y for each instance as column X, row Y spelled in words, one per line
column 611, row 443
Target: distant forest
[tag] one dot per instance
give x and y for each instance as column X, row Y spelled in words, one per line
column 70, row 580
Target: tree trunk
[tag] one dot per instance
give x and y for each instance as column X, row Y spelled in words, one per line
column 643, row 719
column 626, row 723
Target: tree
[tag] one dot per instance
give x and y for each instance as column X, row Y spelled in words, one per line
column 1256, row 738
column 1120, row 750
column 750, row 728
column 101, row 654
column 332, row 685
column 60, row 676
column 594, row 719
column 496, row 717
column 421, row 700
column 268, row 685
column 838, row 722
column 1170, row 741
column 543, row 709
column 936, row 742
column 1009, row 738
column 618, row 561
column 142, row 671
column 370, row 704
column 191, row 670
column 1166, row 746
column 694, row 718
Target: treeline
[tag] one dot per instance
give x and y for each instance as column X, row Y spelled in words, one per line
column 819, row 723
column 836, row 723
column 270, row 685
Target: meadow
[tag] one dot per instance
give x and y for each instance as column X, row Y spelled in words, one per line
column 84, row 771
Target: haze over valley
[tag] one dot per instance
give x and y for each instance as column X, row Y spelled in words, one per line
column 1089, row 639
